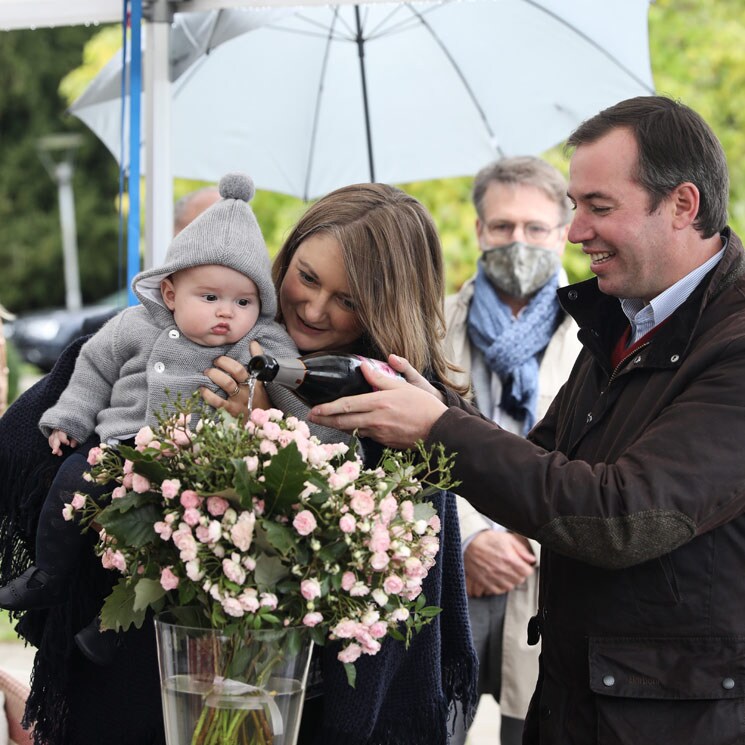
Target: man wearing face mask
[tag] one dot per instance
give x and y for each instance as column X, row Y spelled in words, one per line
column 508, row 332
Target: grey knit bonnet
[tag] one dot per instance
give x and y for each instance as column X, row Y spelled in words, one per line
column 226, row 234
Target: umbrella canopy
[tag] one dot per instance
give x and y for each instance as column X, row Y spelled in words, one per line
column 309, row 100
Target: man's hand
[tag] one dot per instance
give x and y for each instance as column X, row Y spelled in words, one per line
column 59, row 438
column 397, row 414
column 496, row 562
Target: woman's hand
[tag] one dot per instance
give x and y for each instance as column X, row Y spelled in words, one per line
column 397, row 414
column 232, row 377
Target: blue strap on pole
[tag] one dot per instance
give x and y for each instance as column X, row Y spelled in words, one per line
column 135, row 88
column 123, row 98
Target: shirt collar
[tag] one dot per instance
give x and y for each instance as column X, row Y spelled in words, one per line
column 643, row 317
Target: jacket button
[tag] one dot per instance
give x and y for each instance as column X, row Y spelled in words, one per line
column 589, row 418
column 159, row 367
column 174, row 334
column 609, row 681
column 728, row 684
column 637, row 359
column 572, row 294
column 675, row 358
column 545, row 711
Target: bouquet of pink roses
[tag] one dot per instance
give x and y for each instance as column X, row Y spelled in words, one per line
column 258, row 525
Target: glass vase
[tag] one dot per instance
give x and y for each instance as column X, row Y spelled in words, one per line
column 240, row 689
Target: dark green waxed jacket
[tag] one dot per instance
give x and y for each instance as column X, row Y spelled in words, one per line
column 641, row 472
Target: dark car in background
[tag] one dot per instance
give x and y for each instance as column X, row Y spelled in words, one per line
column 40, row 336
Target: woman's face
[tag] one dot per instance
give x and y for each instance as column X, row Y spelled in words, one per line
column 315, row 300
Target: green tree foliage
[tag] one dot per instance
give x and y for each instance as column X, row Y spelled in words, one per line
column 697, row 56
column 31, row 65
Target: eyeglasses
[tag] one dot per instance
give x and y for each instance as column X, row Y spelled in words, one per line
column 535, row 232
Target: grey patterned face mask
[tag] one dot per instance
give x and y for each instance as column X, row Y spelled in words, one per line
column 519, row 269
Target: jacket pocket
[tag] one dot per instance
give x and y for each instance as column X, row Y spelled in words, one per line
column 660, row 691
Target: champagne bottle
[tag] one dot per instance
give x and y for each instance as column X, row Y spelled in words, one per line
column 318, row 377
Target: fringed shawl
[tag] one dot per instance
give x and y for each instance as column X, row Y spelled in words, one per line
column 72, row 701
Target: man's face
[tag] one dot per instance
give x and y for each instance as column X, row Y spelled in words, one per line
column 518, row 212
column 631, row 251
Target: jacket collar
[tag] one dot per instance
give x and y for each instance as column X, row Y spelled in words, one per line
column 602, row 321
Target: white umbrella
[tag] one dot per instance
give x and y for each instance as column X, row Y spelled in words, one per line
column 440, row 89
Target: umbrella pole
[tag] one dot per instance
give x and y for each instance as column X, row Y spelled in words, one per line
column 361, row 53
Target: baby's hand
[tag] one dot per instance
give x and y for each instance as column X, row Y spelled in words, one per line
column 57, row 438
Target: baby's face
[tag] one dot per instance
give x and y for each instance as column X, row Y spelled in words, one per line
column 212, row 305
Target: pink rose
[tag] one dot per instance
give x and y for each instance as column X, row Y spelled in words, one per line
column 304, row 522
column 393, row 584
column 272, row 431
column 359, row 590
column 434, row 523
column 268, row 600
column 189, row 499
column 259, row 416
column 94, row 456
column 168, row 580
column 345, row 629
column 379, row 561
column 388, row 508
column 192, row 517
column 347, row 581
column 347, row 524
column 242, row 532
column 310, row 589
column 163, row 530
column 140, row 483
column 232, row 607
column 169, row 488
column 362, row 503
column 267, row 447
column 249, row 600
column 349, row 654
column 233, row 571
column 78, row 501
column 209, row 533
column 407, row 510
column 217, row 506
column 119, row 492
column 380, row 539
column 312, row 619
column 378, row 630
column 143, row 438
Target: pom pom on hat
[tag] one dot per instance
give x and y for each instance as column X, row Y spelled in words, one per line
column 237, row 186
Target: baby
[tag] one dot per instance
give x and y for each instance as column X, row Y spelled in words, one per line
column 213, row 295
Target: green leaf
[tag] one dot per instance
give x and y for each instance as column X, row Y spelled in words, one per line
column 153, row 470
column 245, row 484
column 127, row 502
column 351, row 672
column 424, row 511
column 281, row 537
column 133, row 528
column 269, row 571
column 118, row 610
column 285, row 478
column 147, row 592
column 333, row 551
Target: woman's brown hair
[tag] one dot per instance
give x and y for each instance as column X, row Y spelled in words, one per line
column 393, row 259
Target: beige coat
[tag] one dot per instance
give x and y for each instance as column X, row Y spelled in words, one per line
column 519, row 661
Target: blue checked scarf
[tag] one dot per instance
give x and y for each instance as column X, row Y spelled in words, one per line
column 512, row 346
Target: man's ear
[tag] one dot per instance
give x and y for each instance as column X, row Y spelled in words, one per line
column 685, row 200
column 168, row 291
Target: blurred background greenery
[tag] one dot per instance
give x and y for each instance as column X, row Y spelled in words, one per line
column 697, row 56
